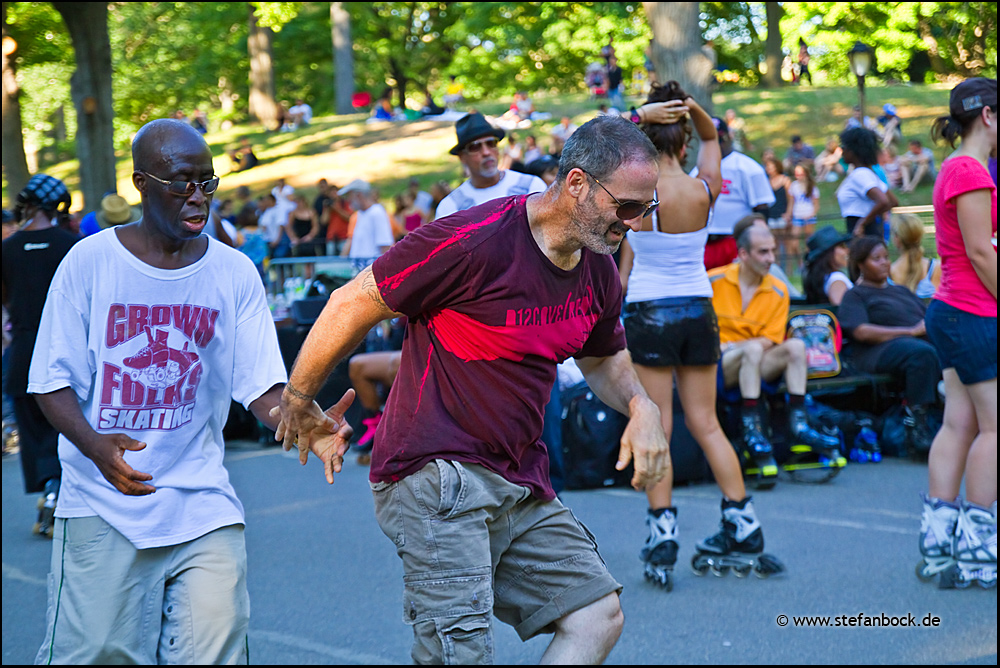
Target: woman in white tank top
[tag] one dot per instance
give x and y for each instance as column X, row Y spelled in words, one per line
column 670, row 324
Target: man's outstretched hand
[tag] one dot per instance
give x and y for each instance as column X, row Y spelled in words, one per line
column 305, row 425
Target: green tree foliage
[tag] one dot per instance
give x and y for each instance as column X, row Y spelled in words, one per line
column 185, row 55
column 544, row 46
column 45, row 63
column 956, row 37
column 737, row 30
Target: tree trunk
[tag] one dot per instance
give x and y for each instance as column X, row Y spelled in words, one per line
column 15, row 164
column 677, row 49
column 343, row 57
column 772, row 46
column 399, row 74
column 262, row 104
column 90, row 88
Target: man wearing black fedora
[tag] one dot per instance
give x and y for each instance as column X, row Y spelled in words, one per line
column 477, row 150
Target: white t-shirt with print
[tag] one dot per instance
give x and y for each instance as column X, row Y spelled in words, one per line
column 371, row 231
column 852, row 195
column 158, row 355
column 745, row 185
column 467, row 196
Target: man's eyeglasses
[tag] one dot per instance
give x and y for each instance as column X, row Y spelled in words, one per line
column 186, row 188
column 478, row 146
column 628, row 209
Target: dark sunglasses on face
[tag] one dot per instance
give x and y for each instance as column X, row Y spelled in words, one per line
column 477, row 146
column 629, row 209
column 186, row 188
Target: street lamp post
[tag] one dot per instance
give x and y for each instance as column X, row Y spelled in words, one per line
column 862, row 58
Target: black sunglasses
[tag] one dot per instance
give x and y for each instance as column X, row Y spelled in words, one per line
column 628, row 209
column 186, row 188
column 478, row 146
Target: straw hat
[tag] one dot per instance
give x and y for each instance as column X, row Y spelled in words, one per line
column 116, row 211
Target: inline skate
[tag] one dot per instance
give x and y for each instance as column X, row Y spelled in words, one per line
column 44, row 526
column 937, row 531
column 815, row 456
column 758, row 454
column 659, row 554
column 739, row 546
column 974, row 549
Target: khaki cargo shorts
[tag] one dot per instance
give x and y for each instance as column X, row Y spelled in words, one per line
column 473, row 546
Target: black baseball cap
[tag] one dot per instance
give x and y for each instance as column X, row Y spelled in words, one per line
column 971, row 95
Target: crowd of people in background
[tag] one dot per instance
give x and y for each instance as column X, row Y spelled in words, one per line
column 698, row 299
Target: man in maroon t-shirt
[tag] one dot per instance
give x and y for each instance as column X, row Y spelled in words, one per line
column 496, row 296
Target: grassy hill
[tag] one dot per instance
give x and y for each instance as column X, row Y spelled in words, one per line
column 342, row 148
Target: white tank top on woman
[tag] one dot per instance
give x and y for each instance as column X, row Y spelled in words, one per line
column 668, row 265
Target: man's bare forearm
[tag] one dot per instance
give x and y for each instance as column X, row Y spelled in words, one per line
column 613, row 380
column 345, row 320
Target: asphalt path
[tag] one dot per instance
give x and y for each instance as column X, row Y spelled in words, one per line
column 326, row 585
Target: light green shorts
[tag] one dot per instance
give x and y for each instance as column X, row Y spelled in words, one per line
column 111, row 603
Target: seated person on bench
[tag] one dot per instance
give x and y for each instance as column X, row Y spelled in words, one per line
column 752, row 308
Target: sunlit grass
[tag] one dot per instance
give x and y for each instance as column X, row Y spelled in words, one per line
column 341, row 148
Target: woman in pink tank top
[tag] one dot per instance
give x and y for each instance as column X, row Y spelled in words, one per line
column 958, row 538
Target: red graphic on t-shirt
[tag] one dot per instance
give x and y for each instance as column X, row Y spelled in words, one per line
column 155, row 387
column 390, row 283
column 552, row 332
column 725, row 187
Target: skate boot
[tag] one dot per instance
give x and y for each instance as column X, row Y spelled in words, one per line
column 815, row 456
column 937, row 531
column 659, row 554
column 738, row 546
column 10, row 438
column 866, row 447
column 922, row 434
column 47, row 509
column 974, row 549
column 367, row 440
column 758, row 455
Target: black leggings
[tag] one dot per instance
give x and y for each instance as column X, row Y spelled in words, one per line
column 39, row 443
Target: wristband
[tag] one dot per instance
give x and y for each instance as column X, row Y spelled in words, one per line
column 635, row 116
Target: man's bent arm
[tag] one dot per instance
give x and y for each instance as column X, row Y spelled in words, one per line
column 345, row 320
column 614, row 380
column 62, row 410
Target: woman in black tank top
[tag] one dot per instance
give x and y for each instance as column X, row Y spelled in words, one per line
column 303, row 227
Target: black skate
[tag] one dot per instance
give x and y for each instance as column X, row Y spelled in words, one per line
column 659, row 554
column 815, row 457
column 44, row 526
column 738, row 547
column 974, row 549
column 757, row 456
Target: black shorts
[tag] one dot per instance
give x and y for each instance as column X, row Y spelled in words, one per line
column 675, row 331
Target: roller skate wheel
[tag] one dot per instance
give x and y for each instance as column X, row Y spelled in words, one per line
column 924, row 573
column 659, row 576
column 767, row 566
column 699, row 564
column 720, row 571
column 742, row 571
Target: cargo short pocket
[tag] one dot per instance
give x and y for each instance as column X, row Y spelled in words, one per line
column 440, row 487
column 452, row 616
column 389, row 511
